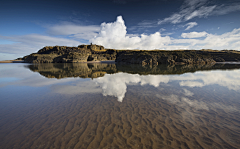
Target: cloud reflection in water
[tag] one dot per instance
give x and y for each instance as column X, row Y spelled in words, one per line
column 116, row 84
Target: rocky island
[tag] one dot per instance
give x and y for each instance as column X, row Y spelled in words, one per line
column 96, row 53
column 64, row 54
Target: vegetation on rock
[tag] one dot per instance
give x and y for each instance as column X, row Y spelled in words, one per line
column 86, row 53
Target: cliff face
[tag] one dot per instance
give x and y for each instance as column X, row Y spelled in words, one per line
column 63, row 54
column 176, row 57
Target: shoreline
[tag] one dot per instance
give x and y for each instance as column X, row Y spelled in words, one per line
column 12, row 61
column 109, row 61
column 21, row 61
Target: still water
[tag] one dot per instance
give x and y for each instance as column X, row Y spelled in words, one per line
column 93, row 106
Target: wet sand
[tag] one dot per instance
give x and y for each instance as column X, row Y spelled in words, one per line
column 21, row 61
column 12, row 61
column 92, row 121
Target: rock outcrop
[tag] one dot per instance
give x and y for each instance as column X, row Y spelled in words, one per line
column 86, row 53
column 64, row 54
column 176, row 57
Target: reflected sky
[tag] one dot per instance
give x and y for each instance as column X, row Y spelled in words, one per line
column 116, row 84
column 176, row 102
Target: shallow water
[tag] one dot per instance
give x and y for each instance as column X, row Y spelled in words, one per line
column 119, row 106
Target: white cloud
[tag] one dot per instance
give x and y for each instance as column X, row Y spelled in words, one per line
column 201, row 12
column 191, row 84
column 228, row 40
column 198, row 8
column 81, row 87
column 225, row 9
column 194, row 34
column 196, row 104
column 190, row 25
column 187, row 92
column 27, row 44
column 188, row 11
column 76, row 31
column 116, row 84
column 114, row 35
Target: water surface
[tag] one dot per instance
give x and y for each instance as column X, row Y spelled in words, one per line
column 119, row 106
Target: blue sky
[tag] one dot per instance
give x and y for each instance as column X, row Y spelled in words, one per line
column 28, row 25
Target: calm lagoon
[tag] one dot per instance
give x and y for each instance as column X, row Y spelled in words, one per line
column 119, row 106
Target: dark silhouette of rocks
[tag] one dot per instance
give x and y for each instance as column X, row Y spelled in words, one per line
column 65, row 70
column 95, row 70
column 156, row 57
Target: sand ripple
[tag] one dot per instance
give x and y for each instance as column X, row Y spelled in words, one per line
column 92, row 121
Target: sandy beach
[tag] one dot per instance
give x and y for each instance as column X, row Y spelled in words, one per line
column 21, row 61
column 12, row 61
column 98, row 122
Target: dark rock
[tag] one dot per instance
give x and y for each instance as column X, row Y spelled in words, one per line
column 176, row 57
column 94, row 70
column 85, row 53
column 63, row 54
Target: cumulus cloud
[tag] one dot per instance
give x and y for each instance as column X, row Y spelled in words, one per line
column 198, row 8
column 116, row 84
column 228, row 40
column 114, row 35
column 228, row 79
column 190, row 25
column 194, row 34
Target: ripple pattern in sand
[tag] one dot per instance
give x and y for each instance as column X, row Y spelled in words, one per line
column 92, row 121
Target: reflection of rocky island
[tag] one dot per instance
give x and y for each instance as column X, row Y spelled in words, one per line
column 82, row 70
column 94, row 70
column 86, row 53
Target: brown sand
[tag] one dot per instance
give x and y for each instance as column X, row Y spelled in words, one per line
column 92, row 121
column 21, row 61
column 12, row 61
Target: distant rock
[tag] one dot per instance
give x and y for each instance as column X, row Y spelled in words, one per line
column 91, row 53
column 156, row 57
column 64, row 54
